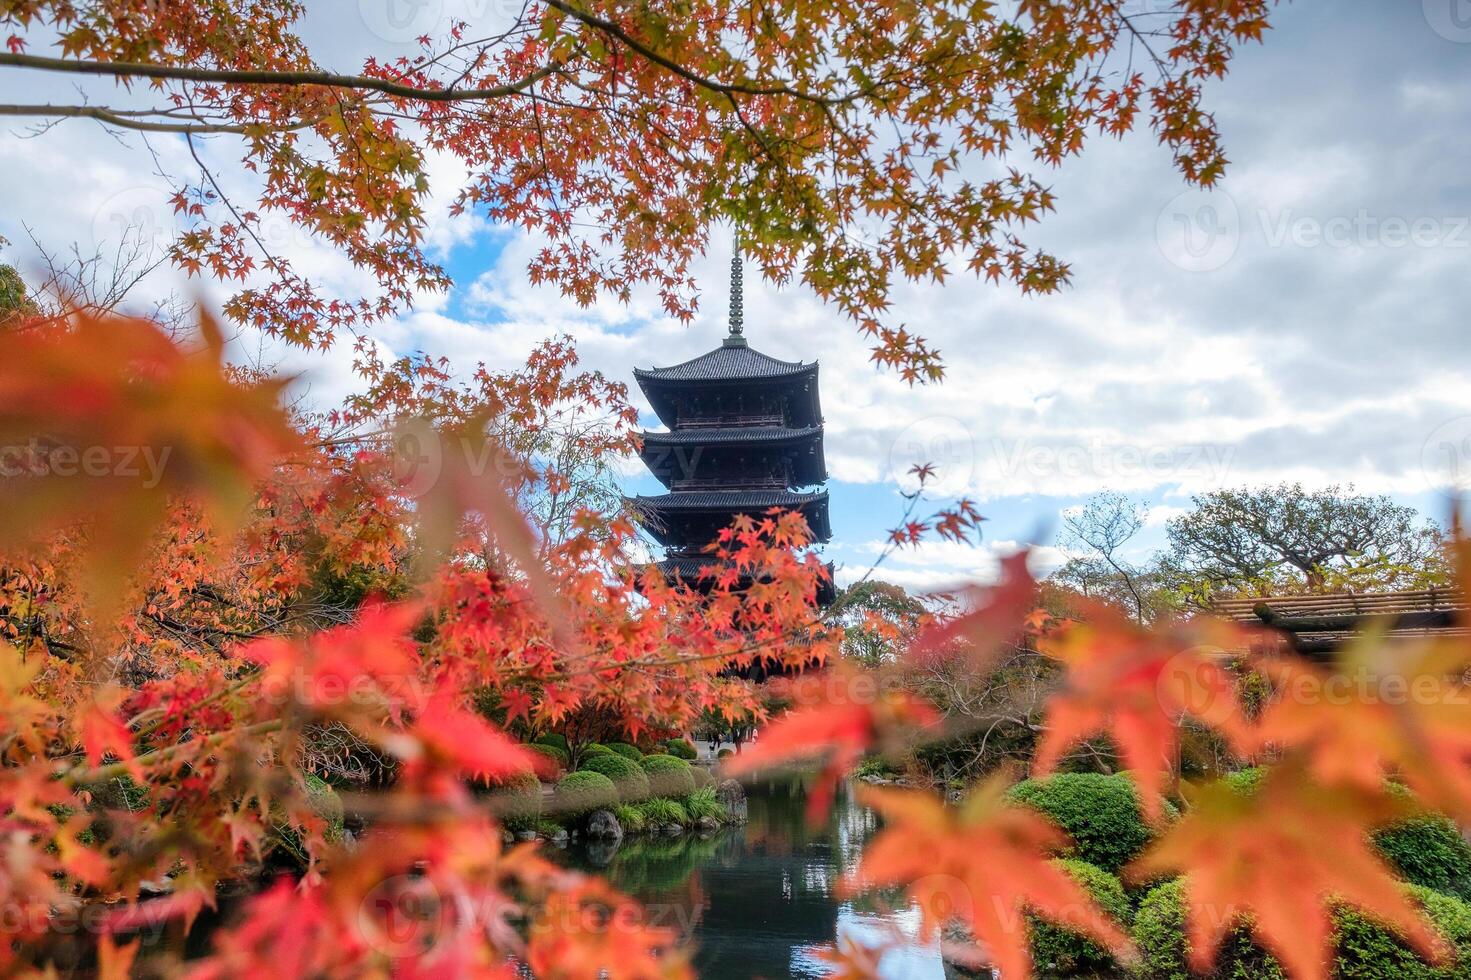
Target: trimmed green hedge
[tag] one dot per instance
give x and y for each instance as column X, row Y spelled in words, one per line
column 1100, row 813
column 629, row 752
column 1057, row 952
column 551, row 752
column 629, row 777
column 681, row 749
column 580, row 793
column 517, row 802
column 596, row 748
column 724, row 753
column 552, row 738
column 668, row 776
column 1364, row 950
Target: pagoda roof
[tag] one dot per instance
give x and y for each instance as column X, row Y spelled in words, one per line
column 732, row 435
column 728, row 362
column 658, row 510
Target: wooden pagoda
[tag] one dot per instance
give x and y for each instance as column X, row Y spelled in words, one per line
column 744, row 436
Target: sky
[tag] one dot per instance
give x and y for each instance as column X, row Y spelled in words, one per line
column 1305, row 321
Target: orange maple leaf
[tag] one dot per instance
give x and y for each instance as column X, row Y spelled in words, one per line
column 987, row 863
column 1136, row 685
column 1280, row 859
column 998, row 614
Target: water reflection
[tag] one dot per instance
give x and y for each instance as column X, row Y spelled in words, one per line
column 760, row 900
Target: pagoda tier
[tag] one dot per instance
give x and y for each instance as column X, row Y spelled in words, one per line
column 699, row 572
column 733, row 385
column 758, row 457
column 691, row 519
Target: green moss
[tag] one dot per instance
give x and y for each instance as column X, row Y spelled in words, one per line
column 580, row 793
column 1100, row 813
column 668, row 776
column 629, row 777
column 1057, row 952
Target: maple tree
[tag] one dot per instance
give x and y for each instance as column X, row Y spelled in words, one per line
column 857, row 145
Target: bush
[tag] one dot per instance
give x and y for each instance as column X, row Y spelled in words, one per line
column 629, row 777
column 657, row 812
column 1363, row 949
column 1057, row 952
column 1100, row 813
column 630, row 818
column 552, row 738
column 702, row 777
column 1426, row 850
column 580, row 793
column 668, row 776
column 702, row 804
column 681, row 749
column 559, row 756
column 517, row 802
column 596, row 748
column 629, row 752
column 724, row 753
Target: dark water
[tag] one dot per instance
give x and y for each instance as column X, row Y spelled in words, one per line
column 761, row 899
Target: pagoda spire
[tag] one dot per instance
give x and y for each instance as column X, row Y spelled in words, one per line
column 737, row 311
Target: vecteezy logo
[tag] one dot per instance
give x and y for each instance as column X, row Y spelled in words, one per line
column 1451, row 19
column 137, row 222
column 943, row 444
column 1199, row 231
column 400, row 20
column 1445, row 458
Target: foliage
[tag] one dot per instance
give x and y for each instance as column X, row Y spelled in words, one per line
column 626, row 750
column 724, row 754
column 553, row 752
column 879, row 619
column 1101, row 815
column 681, row 749
column 1286, row 538
column 630, row 817
column 597, row 748
column 1361, row 947
column 326, row 806
column 579, row 793
column 554, row 739
column 668, row 776
column 628, row 776
column 1057, row 952
column 517, row 801
column 1429, row 851
column 702, row 804
column 660, row 811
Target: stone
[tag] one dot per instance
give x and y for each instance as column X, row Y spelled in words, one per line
column 603, row 825
column 707, row 823
column 732, row 795
column 526, row 835
column 507, row 837
column 559, row 837
column 672, row 828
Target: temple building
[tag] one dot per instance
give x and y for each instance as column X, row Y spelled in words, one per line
column 744, row 436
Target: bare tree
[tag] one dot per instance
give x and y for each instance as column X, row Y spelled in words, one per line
column 1101, row 528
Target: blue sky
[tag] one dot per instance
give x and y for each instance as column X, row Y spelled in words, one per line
column 1305, row 321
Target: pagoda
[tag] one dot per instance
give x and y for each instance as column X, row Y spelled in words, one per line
column 744, row 436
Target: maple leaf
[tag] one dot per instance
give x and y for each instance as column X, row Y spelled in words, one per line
column 468, row 744
column 115, row 962
column 839, row 730
column 103, row 732
column 590, row 930
column 997, row 615
column 987, row 863
column 1280, row 859
column 1136, row 684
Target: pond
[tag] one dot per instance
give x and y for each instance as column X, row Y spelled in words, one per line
column 761, row 900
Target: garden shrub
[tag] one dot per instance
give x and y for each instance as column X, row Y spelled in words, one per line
column 580, row 793
column 681, row 749
column 1363, row 949
column 1058, row 952
column 629, row 777
column 703, row 803
column 552, row 738
column 596, row 748
column 702, row 777
column 551, row 752
column 659, row 811
column 1426, row 850
column 724, row 754
column 668, row 776
column 517, row 802
column 629, row 752
column 1100, row 813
